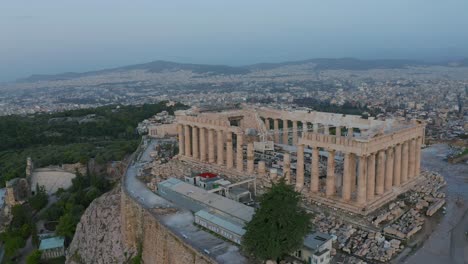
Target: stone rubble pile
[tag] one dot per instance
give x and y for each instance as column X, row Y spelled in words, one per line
column 395, row 210
column 401, row 221
column 407, row 225
column 355, row 241
column 353, row 260
column 170, row 169
column 372, row 246
column 426, row 197
column 431, row 186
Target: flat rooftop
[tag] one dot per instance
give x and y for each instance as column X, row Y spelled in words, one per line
column 316, row 239
column 221, row 221
column 211, row 200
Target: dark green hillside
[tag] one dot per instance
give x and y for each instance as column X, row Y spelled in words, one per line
column 105, row 133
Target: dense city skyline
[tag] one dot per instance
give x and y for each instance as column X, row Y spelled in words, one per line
column 53, row 37
column 216, row 132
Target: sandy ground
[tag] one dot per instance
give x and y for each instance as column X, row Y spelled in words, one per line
column 52, row 179
column 447, row 244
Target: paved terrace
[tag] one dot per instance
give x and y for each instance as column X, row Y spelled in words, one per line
column 181, row 222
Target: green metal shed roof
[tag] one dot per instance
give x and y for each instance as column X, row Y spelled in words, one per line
column 53, row 242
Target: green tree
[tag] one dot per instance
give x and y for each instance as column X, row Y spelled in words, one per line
column 21, row 218
column 279, row 226
column 40, row 199
column 12, row 243
column 34, row 237
column 34, row 257
column 66, row 226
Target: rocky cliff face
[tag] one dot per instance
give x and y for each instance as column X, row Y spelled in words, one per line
column 98, row 236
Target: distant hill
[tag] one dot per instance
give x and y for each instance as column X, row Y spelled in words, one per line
column 155, row 66
column 343, row 64
column 320, row 65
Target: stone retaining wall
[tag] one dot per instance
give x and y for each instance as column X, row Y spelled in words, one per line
column 159, row 244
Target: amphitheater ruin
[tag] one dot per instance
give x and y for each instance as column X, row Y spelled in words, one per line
column 344, row 161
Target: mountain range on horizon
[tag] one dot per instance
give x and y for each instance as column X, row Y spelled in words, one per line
column 215, row 69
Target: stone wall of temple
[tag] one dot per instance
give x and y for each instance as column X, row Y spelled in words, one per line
column 381, row 159
column 163, row 130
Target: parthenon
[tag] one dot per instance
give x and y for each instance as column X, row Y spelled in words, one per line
column 345, row 161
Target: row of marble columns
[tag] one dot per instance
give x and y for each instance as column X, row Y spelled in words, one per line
column 194, row 141
column 316, row 127
column 368, row 175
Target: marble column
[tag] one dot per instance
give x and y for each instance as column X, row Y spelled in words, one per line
column 261, row 168
column 220, row 147
column 350, row 131
column 326, row 129
column 379, row 188
column 404, row 162
column 397, row 166
column 389, row 170
column 180, row 132
column 229, row 157
column 352, row 172
column 417, row 164
column 240, row 155
column 331, row 188
column 371, row 177
column 300, row 167
column 195, row 142
column 285, row 132
column 362, row 180
column 250, row 157
column 276, row 130
column 267, row 123
column 188, row 152
column 202, row 144
column 412, row 158
column 287, row 167
column 314, row 171
column 346, row 191
column 294, row 132
column 315, row 127
column 338, row 131
column 211, row 146
column 304, row 127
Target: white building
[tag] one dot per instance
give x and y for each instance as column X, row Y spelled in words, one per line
column 316, row 249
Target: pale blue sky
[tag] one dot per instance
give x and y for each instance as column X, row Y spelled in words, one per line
column 53, row 36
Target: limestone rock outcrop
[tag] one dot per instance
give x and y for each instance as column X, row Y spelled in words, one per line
column 98, row 236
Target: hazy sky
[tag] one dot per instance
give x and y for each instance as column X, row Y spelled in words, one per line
column 53, row 36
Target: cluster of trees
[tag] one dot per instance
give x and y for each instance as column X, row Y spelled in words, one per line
column 40, row 199
column 64, row 127
column 52, row 139
column 72, row 203
column 21, row 227
column 66, row 212
column 60, row 138
column 34, row 257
